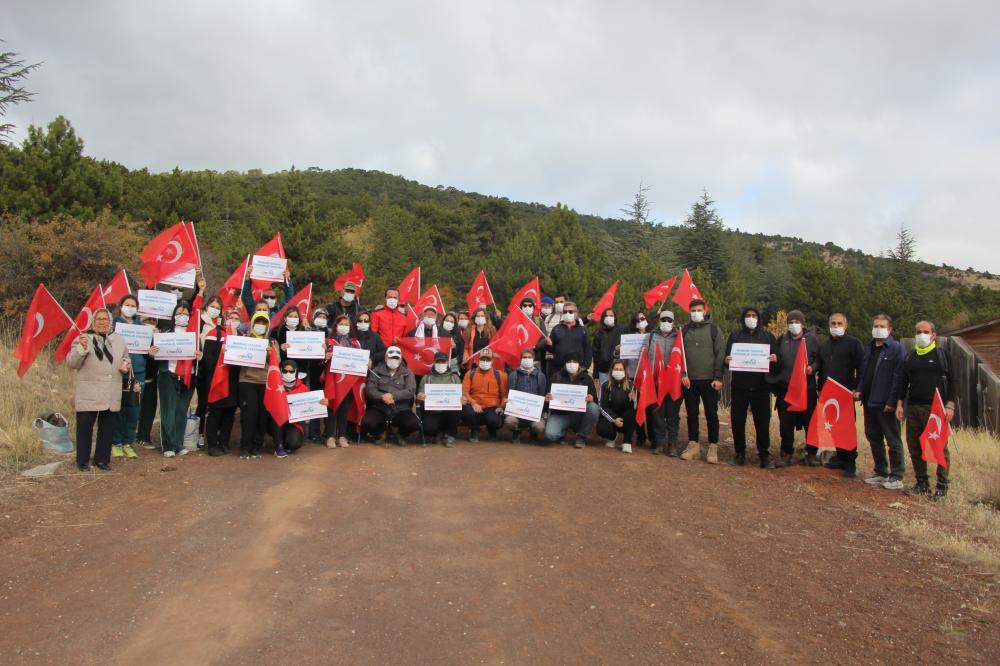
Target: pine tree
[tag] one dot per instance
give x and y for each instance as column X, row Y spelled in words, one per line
column 701, row 240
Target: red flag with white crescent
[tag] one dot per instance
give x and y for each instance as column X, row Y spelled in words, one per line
column 832, row 424
column 687, row 292
column 84, row 320
column 659, row 293
column 607, row 300
column 479, row 294
column 935, row 436
column 45, row 320
column 676, row 365
column 355, row 275
column 419, row 353
column 645, row 384
column 532, row 289
column 797, row 395
column 301, row 300
column 430, row 298
column 275, row 398
column 117, row 289
column 233, row 285
column 409, row 288
column 219, row 387
column 171, row 252
column 517, row 333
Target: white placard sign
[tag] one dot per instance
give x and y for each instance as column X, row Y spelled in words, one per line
column 305, row 344
column 749, row 357
column 183, row 279
column 527, row 406
column 305, row 406
column 631, row 345
column 246, row 351
column 159, row 304
column 569, row 398
column 349, row 361
column 175, row 346
column 268, row 268
column 137, row 337
column 443, row 397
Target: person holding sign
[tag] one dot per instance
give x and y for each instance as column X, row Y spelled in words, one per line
column 389, row 396
column 336, row 420
column 288, row 438
column 174, row 393
column 212, row 324
column 750, row 389
column 607, row 344
column 127, row 420
column 440, row 425
column 617, row 408
column 526, row 378
column 370, row 340
column 252, row 384
column 269, row 297
column 562, row 420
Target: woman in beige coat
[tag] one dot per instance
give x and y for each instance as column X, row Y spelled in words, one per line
column 99, row 357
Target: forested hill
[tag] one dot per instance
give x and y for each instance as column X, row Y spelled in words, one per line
column 71, row 220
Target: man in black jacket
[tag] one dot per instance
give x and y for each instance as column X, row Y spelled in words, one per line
column 840, row 358
column 789, row 422
column 347, row 304
column 751, row 390
column 569, row 337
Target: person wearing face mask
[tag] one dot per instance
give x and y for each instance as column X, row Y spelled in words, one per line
column 149, row 398
column 484, row 394
column 251, row 386
column 452, row 330
column 551, row 319
column 368, row 339
column 878, row 391
column 211, row 326
column 313, row 369
column 336, row 421
column 750, row 390
column 389, row 395
column 440, row 426
column 791, row 422
column 560, row 422
column 529, row 379
column 664, row 421
column 427, row 327
column 269, row 295
column 637, row 324
column 174, row 393
column 607, row 344
column 704, row 356
column 570, row 337
column 550, row 315
column 221, row 413
column 926, row 370
column 127, row 418
column 99, row 358
column 840, row 358
column 291, row 321
column 617, row 407
column 390, row 320
column 193, row 296
column 530, row 311
column 477, row 335
column 288, row 438
column 348, row 303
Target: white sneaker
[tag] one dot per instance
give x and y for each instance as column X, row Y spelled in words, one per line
column 626, row 448
column 183, row 452
column 168, row 454
column 610, row 443
column 876, row 480
column 893, row 484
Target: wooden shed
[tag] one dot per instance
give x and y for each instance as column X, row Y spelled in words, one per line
column 975, row 352
column 984, row 339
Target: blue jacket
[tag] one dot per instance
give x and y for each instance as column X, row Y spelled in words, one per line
column 249, row 303
column 528, row 382
column 888, row 373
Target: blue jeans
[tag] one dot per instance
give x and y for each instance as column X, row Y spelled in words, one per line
column 581, row 422
column 127, row 420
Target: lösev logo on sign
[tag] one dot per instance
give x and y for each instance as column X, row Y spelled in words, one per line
column 176, row 346
column 305, row 344
column 246, row 351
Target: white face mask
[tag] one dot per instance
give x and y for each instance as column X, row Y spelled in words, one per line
column 449, row 326
column 480, row 321
column 391, row 303
column 213, row 312
column 527, row 363
column 559, row 308
column 128, row 311
column 572, row 368
column 698, row 316
column 795, row 329
column 666, row 326
column 292, row 323
column 463, row 323
column 289, row 377
column 750, row 322
column 348, row 297
column 485, row 365
column 569, row 317
column 270, row 302
column 923, row 340
column 320, row 323
column 641, row 325
column 177, row 292
column 837, row 331
column 392, row 363
column 429, row 321
column 528, row 310
column 363, row 326
column 182, row 320
column 609, row 321
column 260, row 329
column 343, row 329
column 234, row 325
column 880, row 333
column 618, row 375
column 546, row 312
column 440, row 368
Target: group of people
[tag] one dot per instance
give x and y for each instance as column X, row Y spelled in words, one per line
column 118, row 392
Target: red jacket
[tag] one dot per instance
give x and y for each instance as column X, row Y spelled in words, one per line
column 391, row 324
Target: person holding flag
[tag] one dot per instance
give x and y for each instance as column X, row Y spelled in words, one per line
column 925, row 371
column 336, row 415
column 617, row 405
column 428, row 326
column 840, row 358
column 664, row 418
column 704, row 360
column 793, row 417
column 175, row 388
column 288, row 437
column 211, row 323
column 451, row 329
column 477, row 335
column 223, row 393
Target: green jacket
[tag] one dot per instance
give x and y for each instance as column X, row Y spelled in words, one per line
column 447, row 377
column 703, row 355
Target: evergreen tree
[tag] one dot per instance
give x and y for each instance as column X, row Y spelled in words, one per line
column 701, row 240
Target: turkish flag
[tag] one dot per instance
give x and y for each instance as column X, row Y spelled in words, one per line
column 45, row 320
column 84, row 320
column 686, row 293
column 431, row 298
column 797, row 395
column 659, row 293
column 355, row 275
column 118, row 288
column 219, row 387
column 532, row 289
column 227, row 292
column 184, row 369
column 302, row 300
column 607, row 300
column 833, row 428
column 171, row 252
column 194, row 241
column 934, row 439
column 357, row 409
column 517, row 333
column 645, row 383
column 275, row 398
column 669, row 384
column 419, row 353
column 409, row 288
column 337, row 386
column 479, row 294
column 272, row 248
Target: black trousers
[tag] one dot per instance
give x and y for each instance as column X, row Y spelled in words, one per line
column 444, row 423
column 85, row 422
column 253, row 417
column 377, row 419
column 488, row 417
column 147, row 409
column 336, row 419
column 219, row 427
column 664, row 422
column 287, row 436
column 202, row 385
column 789, row 422
column 608, row 430
column 701, row 391
column 759, row 404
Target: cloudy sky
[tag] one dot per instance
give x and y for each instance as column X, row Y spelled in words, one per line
column 825, row 120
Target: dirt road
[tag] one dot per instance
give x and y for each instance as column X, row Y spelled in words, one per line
column 491, row 553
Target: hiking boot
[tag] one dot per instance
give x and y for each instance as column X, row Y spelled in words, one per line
column 692, row 451
column 834, row 463
column 766, row 463
column 474, row 436
column 712, row 457
column 515, row 437
column 280, row 452
column 146, row 445
column 449, row 442
column 920, row 488
column 876, row 480
column 116, row 451
column 850, row 472
column 660, row 450
column 129, row 451
column 739, row 460
column 893, row 484
column 83, row 468
column 940, row 492
column 812, row 460
column 103, row 466
column 579, row 443
column 785, row 461
column 626, row 447
column 215, row 452
column 672, row 449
